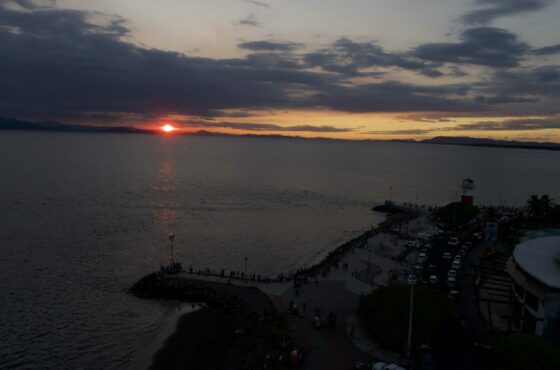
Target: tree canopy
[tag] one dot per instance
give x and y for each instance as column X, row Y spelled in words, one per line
column 543, row 210
column 385, row 312
column 525, row 351
column 458, row 213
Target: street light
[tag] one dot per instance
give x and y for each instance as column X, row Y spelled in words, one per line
column 171, row 239
column 412, row 280
column 368, row 259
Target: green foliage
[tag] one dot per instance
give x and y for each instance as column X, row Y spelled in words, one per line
column 542, row 209
column 385, row 312
column 525, row 351
column 460, row 212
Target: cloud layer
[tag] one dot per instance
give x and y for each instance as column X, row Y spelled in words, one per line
column 59, row 63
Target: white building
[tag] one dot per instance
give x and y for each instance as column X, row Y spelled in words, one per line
column 535, row 270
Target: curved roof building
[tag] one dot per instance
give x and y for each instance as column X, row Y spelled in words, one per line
column 535, row 270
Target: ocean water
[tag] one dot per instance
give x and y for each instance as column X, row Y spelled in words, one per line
column 83, row 216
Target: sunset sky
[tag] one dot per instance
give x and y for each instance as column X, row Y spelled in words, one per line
column 356, row 69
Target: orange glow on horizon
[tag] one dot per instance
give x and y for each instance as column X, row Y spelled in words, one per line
column 167, row 128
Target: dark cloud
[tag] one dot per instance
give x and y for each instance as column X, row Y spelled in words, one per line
column 548, row 50
column 512, row 125
column 249, row 20
column 487, row 46
column 265, row 126
column 59, row 62
column 393, row 96
column 527, row 124
column 357, row 58
column 258, row 3
column 502, row 99
column 411, row 132
column 264, row 45
column 547, row 74
column 492, row 9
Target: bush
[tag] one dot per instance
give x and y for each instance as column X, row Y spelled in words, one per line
column 525, row 351
column 385, row 312
column 461, row 212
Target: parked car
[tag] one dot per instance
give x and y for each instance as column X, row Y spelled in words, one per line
column 418, row 267
column 453, row 294
column 386, row 366
column 453, row 242
column 452, row 272
column 446, row 256
column 456, row 264
column 431, row 267
column 422, row 257
column 433, row 279
column 412, row 279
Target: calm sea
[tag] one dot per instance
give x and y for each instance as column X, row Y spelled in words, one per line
column 83, row 216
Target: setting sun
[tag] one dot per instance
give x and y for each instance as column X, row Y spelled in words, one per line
column 168, row 128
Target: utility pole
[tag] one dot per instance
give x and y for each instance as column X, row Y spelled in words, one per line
column 246, row 267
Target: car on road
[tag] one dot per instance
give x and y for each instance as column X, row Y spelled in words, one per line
column 453, row 242
column 477, row 236
column 451, row 281
column 456, row 264
column 411, row 244
column 433, row 279
column 446, row 256
column 453, row 294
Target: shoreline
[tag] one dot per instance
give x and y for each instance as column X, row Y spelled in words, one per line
column 393, row 214
column 215, row 319
column 167, row 328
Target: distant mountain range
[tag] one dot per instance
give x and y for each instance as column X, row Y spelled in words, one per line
column 471, row 141
column 15, row 124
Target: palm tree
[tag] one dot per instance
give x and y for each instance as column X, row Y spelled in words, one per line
column 534, row 206
column 546, row 204
column 540, row 208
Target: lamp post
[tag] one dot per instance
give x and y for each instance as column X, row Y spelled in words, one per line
column 171, row 239
column 410, row 281
column 245, row 267
column 368, row 259
column 455, row 213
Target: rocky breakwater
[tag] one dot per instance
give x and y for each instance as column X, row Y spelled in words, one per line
column 227, row 333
